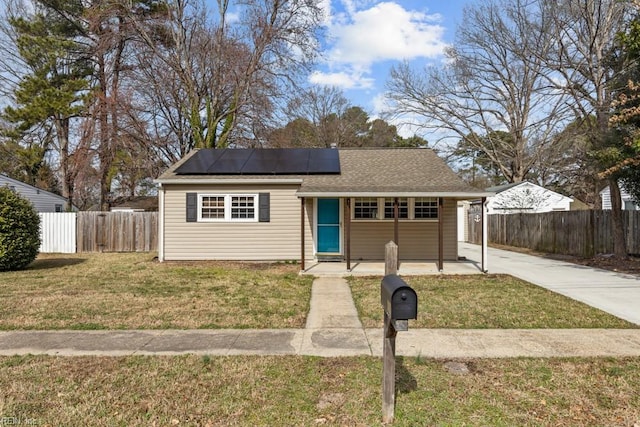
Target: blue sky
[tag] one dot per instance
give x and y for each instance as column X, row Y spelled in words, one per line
column 367, row 37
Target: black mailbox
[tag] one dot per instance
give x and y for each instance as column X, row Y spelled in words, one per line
column 399, row 300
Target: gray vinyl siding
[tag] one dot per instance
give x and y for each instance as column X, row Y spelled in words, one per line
column 417, row 240
column 42, row 201
column 278, row 239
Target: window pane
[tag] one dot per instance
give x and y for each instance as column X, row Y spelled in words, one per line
column 243, row 207
column 213, row 207
column 366, row 208
column 426, row 208
column 403, row 208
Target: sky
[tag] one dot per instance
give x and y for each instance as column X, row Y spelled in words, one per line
column 367, row 37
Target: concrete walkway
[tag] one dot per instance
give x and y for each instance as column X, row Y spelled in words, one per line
column 332, row 329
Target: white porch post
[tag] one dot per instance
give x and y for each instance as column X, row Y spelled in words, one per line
column 484, row 236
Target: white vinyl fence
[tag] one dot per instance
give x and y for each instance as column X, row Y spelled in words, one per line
column 58, row 232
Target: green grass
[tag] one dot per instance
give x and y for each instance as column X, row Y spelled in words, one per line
column 132, row 291
column 483, row 302
column 307, row 391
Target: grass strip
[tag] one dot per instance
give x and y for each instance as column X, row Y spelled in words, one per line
column 268, row 391
column 483, row 302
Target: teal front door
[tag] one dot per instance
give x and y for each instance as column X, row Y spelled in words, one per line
column 328, row 226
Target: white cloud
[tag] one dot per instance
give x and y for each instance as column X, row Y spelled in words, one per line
column 362, row 33
column 385, row 31
column 342, row 79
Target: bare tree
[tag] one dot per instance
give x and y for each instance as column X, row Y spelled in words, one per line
column 228, row 74
column 322, row 106
column 584, row 64
column 493, row 81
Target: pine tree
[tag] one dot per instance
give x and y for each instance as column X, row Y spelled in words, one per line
column 53, row 91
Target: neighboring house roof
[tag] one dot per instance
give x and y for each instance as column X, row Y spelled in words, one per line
column 399, row 172
column 500, row 188
column 145, row 203
column 42, row 200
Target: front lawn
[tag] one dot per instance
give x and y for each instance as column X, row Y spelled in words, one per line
column 133, row 291
column 308, row 391
column 483, row 302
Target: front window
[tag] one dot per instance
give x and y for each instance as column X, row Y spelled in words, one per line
column 366, row 208
column 426, row 208
column 403, row 209
column 227, row 207
column 212, row 207
column 243, row 207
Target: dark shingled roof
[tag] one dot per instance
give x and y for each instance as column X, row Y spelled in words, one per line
column 403, row 172
column 391, row 170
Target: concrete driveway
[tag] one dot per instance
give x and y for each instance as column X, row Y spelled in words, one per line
column 615, row 293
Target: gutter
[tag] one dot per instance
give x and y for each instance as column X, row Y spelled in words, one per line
column 205, row 181
column 461, row 195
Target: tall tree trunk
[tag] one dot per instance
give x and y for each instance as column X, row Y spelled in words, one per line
column 617, row 223
column 104, row 150
column 67, row 177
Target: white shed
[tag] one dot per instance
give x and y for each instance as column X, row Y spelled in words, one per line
column 526, row 197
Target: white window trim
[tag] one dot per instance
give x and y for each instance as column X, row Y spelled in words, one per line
column 227, row 207
column 409, row 209
column 380, row 217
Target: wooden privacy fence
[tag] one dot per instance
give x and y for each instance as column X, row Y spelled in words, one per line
column 580, row 233
column 117, row 231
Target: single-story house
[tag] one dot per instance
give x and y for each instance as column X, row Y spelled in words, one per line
column 42, row 200
column 525, row 197
column 627, row 201
column 310, row 204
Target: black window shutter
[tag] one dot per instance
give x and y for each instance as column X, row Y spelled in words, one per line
column 264, row 208
column 192, row 207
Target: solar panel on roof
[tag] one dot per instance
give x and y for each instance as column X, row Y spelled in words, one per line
column 199, row 163
column 293, row 161
column 231, row 162
column 261, row 162
column 275, row 161
column 324, row 161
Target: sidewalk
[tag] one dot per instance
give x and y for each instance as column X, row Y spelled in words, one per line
column 433, row 343
column 333, row 329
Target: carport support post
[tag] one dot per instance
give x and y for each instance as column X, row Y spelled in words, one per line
column 388, row 370
column 440, row 236
column 484, row 235
column 302, row 233
column 347, row 221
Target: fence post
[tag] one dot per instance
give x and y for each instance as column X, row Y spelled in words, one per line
column 390, row 258
column 389, row 343
column 388, row 370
